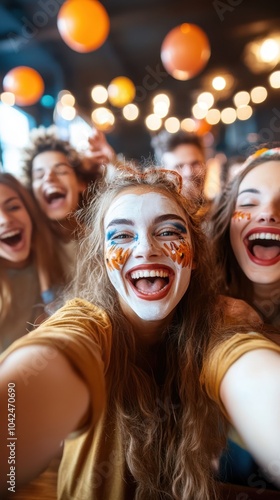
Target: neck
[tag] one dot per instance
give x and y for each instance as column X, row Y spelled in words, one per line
column 149, row 341
column 8, row 264
column 266, row 298
column 147, row 333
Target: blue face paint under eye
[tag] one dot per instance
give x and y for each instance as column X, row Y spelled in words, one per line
column 112, row 241
column 180, row 227
column 110, row 234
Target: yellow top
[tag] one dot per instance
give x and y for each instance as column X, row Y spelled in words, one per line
column 93, row 464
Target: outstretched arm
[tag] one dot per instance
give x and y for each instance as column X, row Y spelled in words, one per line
column 250, row 392
column 42, row 400
column 99, row 152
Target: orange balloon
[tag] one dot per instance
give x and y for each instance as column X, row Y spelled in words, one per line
column 202, row 127
column 83, row 24
column 25, row 83
column 185, row 51
column 121, row 91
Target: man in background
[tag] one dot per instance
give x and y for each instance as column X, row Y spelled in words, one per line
column 184, row 153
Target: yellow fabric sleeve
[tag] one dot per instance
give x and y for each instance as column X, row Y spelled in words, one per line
column 223, row 355
column 81, row 332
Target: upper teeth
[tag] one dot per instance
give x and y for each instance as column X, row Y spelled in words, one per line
column 144, row 273
column 10, row 234
column 51, row 191
column 264, row 236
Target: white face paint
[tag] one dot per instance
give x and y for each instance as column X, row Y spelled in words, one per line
column 148, row 252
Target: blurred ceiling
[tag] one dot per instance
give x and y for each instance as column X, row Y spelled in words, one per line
column 29, row 36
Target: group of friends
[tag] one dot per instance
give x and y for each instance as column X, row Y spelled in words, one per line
column 140, row 322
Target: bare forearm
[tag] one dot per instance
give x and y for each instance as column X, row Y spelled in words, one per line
column 49, row 399
column 250, row 392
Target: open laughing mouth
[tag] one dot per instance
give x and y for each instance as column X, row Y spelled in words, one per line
column 263, row 247
column 151, row 282
column 12, row 238
column 53, row 196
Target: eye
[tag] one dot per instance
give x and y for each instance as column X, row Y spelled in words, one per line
column 170, row 234
column 122, row 237
column 37, row 174
column 14, row 207
column 244, row 205
column 246, row 201
column 63, row 170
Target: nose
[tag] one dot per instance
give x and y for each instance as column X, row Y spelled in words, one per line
column 269, row 214
column 185, row 170
column 194, row 169
column 147, row 247
column 3, row 217
column 49, row 174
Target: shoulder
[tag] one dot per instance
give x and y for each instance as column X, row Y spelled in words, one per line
column 226, row 353
column 85, row 309
column 228, row 350
column 79, row 329
column 79, row 319
column 238, row 311
column 76, row 311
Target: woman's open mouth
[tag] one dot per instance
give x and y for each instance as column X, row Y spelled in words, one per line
column 12, row 238
column 263, row 247
column 150, row 283
column 54, row 197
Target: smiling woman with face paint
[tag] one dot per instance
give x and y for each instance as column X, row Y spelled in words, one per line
column 126, row 364
column 246, row 231
column 29, row 263
column 156, row 227
column 246, row 234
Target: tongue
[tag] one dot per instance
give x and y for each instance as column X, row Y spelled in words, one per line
column 13, row 240
column 266, row 253
column 54, row 198
column 150, row 286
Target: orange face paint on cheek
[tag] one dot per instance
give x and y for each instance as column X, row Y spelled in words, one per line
column 237, row 215
column 180, row 253
column 116, row 258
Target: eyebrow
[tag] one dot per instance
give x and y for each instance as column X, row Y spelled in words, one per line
column 190, row 163
column 163, row 218
column 116, row 222
column 255, row 191
column 157, row 220
column 13, row 198
column 54, row 165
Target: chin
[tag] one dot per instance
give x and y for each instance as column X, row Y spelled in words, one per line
column 152, row 319
column 153, row 316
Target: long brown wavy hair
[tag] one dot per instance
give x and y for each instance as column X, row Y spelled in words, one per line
column 44, row 251
column 231, row 279
column 171, row 430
